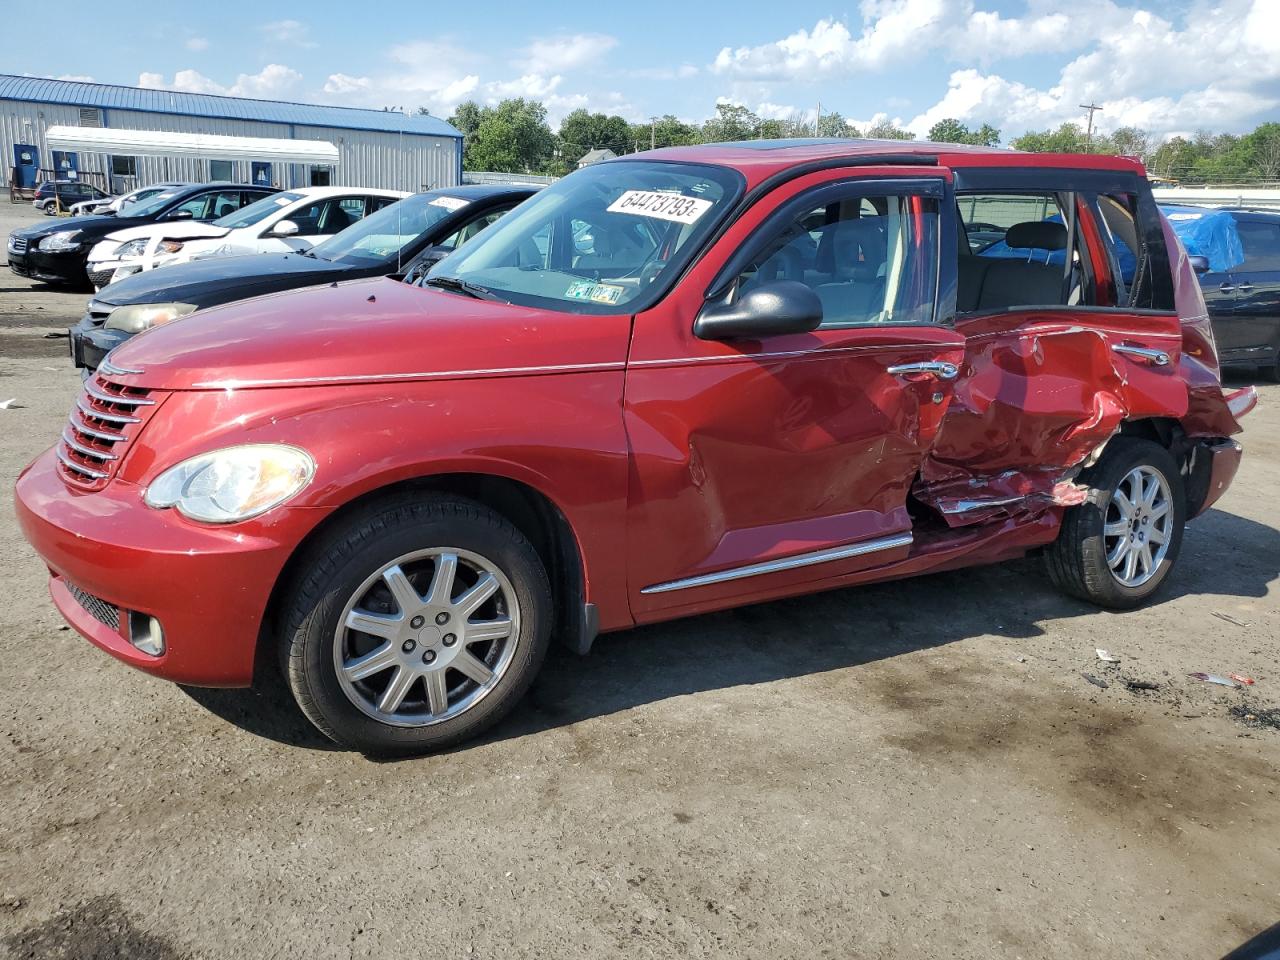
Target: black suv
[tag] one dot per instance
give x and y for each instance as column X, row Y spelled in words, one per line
column 401, row 240
column 1238, row 260
column 65, row 192
column 57, row 252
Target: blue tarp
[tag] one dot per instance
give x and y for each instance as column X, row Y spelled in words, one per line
column 1207, row 233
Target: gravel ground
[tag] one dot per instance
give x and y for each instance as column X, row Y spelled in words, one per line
column 909, row 770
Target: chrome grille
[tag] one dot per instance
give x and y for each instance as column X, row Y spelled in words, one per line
column 105, row 613
column 105, row 419
column 18, row 244
column 98, row 311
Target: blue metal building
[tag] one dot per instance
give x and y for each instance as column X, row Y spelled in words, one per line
column 376, row 148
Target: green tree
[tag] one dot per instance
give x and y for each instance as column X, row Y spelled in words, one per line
column 665, row 131
column 1068, row 138
column 731, row 122
column 833, row 125
column 582, row 131
column 951, row 130
column 512, row 137
column 884, row 130
column 466, row 117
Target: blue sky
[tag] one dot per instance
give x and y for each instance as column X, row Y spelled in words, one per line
column 1166, row 65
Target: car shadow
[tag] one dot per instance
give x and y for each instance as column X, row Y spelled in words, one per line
column 805, row 635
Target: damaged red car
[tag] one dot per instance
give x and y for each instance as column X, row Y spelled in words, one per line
column 668, row 384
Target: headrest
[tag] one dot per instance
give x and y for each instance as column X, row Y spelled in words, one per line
column 1037, row 234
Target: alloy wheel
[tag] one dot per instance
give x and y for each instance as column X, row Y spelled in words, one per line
column 426, row 637
column 1139, row 526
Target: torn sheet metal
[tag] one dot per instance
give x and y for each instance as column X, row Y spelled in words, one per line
column 1035, row 403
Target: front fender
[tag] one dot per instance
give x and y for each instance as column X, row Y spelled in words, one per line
column 561, row 435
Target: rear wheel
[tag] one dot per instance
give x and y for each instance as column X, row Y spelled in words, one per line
column 1117, row 547
column 417, row 625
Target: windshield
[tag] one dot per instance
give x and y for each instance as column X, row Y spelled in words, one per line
column 388, row 231
column 152, row 205
column 258, row 210
column 600, row 239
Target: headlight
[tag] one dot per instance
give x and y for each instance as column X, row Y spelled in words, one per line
column 234, row 483
column 137, row 317
column 133, row 248
column 62, row 240
column 169, row 246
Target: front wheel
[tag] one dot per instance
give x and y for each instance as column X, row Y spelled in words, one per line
column 1117, row 547
column 416, row 625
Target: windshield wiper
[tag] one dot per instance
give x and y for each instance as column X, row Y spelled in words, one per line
column 463, row 286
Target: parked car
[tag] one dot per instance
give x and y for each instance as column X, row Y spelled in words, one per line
column 397, row 239
column 114, row 204
column 667, row 384
column 1238, row 260
column 294, row 220
column 50, row 194
column 57, row 252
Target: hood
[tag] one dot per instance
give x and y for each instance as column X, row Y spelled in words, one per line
column 91, row 226
column 366, row 331
column 222, row 279
column 181, row 230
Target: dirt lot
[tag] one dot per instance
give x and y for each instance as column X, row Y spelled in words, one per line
column 911, row 770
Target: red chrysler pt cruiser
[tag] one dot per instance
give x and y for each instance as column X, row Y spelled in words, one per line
column 670, row 383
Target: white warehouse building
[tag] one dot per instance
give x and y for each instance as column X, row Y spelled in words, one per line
column 374, row 148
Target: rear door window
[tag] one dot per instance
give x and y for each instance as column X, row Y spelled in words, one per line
column 1261, row 243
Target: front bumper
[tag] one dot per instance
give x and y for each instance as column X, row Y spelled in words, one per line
column 90, row 343
column 208, row 586
column 65, row 266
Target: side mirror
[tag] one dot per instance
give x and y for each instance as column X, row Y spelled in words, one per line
column 786, row 306
column 1198, row 263
column 285, row 228
column 423, row 263
column 182, row 215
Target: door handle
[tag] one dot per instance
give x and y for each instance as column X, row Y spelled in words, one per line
column 1226, row 287
column 938, row 368
column 1158, row 357
column 1245, row 288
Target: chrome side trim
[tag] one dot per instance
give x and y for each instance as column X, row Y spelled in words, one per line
column 786, row 563
column 105, row 397
column 964, row 506
column 1158, row 357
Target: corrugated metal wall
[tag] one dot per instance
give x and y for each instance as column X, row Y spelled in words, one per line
column 369, row 158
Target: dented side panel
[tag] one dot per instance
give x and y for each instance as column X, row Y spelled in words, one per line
column 1039, row 392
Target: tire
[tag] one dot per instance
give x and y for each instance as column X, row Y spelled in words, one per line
column 343, row 679
column 1078, row 561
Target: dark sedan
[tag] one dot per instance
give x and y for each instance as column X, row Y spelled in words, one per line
column 56, row 252
column 401, row 239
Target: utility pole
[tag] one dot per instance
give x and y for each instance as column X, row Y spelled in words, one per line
column 816, row 118
column 1088, row 134
column 653, row 132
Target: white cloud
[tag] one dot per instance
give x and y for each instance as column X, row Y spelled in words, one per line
column 197, row 44
column 531, row 85
column 564, row 52
column 77, row 77
column 271, row 82
column 1220, row 70
column 293, row 32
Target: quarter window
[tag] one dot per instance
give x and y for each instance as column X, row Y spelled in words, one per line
column 869, row 259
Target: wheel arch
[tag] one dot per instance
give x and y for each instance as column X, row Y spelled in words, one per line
column 530, row 510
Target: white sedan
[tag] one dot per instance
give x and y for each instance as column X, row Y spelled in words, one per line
column 289, row 221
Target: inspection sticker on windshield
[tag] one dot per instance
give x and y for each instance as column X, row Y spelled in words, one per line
column 449, row 203
column 664, row 206
column 597, row 292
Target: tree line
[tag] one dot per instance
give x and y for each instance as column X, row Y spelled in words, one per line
column 514, row 136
